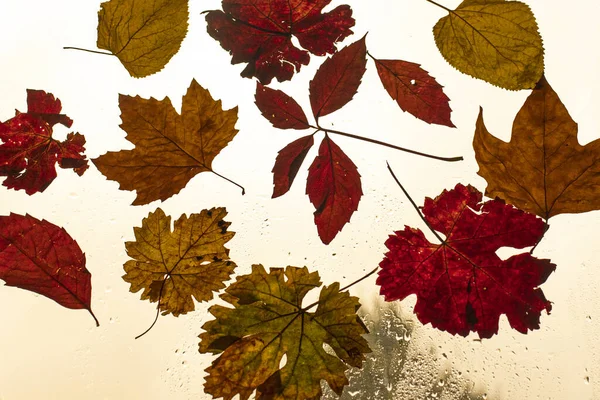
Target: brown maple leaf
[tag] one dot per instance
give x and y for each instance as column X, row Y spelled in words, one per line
column 170, row 148
column 543, row 169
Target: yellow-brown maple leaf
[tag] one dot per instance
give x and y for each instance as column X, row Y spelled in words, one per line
column 543, row 169
column 173, row 267
column 170, row 149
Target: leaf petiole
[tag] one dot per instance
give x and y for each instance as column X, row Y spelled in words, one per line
column 89, row 51
column 439, row 5
column 230, row 181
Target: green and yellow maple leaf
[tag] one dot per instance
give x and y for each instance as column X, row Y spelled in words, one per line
column 269, row 322
column 494, row 40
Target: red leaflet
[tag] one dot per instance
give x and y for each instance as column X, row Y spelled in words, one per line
column 334, row 188
column 461, row 284
column 280, row 109
column 415, row 91
column 28, row 153
column 337, row 79
column 260, row 33
column 288, row 163
column 42, row 257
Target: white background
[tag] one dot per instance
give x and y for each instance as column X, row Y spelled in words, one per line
column 47, row 352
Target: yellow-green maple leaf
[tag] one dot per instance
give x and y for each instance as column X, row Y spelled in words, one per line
column 143, row 34
column 494, row 40
column 268, row 322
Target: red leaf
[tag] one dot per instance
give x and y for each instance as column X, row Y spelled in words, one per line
column 44, row 106
column 334, row 188
column 42, row 257
column 28, row 153
column 260, row 34
column 280, row 109
column 337, row 79
column 461, row 284
column 415, row 91
column 288, row 163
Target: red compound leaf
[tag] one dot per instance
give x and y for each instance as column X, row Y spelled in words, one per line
column 462, row 285
column 260, row 33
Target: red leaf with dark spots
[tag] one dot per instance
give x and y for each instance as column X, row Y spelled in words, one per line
column 415, row 91
column 28, row 154
column 288, row 163
column 461, row 285
column 334, row 188
column 280, row 109
column 337, row 79
column 44, row 106
column 42, row 257
column 260, row 34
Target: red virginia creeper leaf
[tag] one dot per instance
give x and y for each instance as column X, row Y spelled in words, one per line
column 259, row 33
column 461, row 284
column 42, row 257
column 288, row 163
column 415, row 91
column 334, row 188
column 337, row 79
column 279, row 108
column 28, row 153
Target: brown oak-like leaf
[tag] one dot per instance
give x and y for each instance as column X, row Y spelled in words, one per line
column 288, row 163
column 333, row 187
column 268, row 321
column 415, row 91
column 29, row 153
column 170, row 149
column 543, row 169
column 174, row 267
column 41, row 257
column 280, row 109
column 260, row 33
column 461, row 284
column 337, row 79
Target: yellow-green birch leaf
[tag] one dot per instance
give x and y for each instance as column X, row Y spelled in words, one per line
column 143, row 34
column 493, row 40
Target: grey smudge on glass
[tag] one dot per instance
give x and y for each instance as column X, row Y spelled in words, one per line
column 397, row 369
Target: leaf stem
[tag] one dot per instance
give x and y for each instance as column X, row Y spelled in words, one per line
column 89, row 51
column 229, row 180
column 366, row 139
column 162, row 286
column 95, row 319
column 415, row 205
column 439, row 5
column 546, row 227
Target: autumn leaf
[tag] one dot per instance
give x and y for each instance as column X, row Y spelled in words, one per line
column 461, row 284
column 29, row 153
column 173, row 267
column 170, row 149
column 337, row 79
column 494, row 40
column 41, row 257
column 260, row 34
column 415, row 91
column 143, row 34
column 269, row 321
column 288, row 163
column 333, row 187
column 280, row 109
column 543, row 169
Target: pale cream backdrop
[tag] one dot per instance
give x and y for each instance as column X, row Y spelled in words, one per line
column 48, row 352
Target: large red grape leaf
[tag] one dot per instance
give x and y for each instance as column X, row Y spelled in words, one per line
column 288, row 163
column 269, row 321
column 280, row 109
column 259, row 32
column 415, row 91
column 174, row 267
column 41, row 257
column 337, row 79
column 461, row 284
column 170, row 149
column 29, row 153
column 334, row 188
